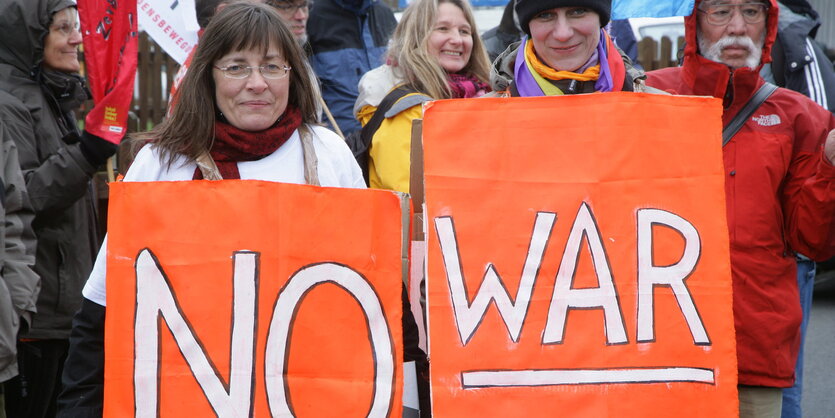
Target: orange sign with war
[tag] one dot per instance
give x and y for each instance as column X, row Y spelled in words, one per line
column 249, row 298
column 578, row 260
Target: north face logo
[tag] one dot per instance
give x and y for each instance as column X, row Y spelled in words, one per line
column 767, row 120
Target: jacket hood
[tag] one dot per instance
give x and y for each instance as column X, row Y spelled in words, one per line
column 24, row 25
column 356, row 6
column 803, row 24
column 691, row 49
column 508, row 23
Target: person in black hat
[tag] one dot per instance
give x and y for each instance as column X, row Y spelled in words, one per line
column 565, row 51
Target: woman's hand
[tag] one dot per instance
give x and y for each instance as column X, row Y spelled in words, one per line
column 829, row 147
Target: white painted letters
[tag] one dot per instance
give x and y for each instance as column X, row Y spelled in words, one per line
column 284, row 312
column 650, row 275
column 155, row 299
column 468, row 316
column 565, row 297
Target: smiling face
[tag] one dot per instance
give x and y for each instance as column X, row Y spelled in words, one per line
column 60, row 50
column 565, row 37
column 254, row 103
column 451, row 40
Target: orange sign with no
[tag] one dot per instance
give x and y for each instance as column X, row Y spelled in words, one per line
column 240, row 298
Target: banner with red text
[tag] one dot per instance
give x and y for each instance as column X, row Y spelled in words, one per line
column 249, row 298
column 578, row 260
column 109, row 29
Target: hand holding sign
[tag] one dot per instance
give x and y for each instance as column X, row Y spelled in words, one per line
column 110, row 46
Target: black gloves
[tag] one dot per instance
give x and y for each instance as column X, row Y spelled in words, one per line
column 96, row 150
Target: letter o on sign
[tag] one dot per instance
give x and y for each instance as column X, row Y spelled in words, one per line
column 303, row 281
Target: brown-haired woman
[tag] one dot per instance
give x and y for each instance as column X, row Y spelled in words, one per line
column 245, row 111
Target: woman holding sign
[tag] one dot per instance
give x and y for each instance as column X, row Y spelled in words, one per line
column 245, row 111
column 435, row 53
column 566, row 51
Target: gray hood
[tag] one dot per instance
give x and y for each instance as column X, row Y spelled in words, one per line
column 501, row 73
column 24, row 25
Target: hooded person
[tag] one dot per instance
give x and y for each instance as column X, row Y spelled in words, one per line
column 778, row 186
column 566, row 50
column 40, row 88
column 499, row 38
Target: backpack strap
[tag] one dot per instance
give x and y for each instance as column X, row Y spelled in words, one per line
column 753, row 103
column 360, row 142
column 311, row 162
column 374, row 123
column 207, row 167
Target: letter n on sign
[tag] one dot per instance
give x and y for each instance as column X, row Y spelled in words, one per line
column 249, row 298
column 578, row 257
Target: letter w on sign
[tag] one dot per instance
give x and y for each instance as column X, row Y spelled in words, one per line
column 578, row 257
column 248, row 298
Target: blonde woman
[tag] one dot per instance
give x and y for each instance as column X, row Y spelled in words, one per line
column 435, row 53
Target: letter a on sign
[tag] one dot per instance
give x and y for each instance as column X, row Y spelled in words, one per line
column 248, row 298
column 577, row 257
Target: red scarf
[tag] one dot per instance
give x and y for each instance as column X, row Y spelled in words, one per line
column 466, row 86
column 232, row 145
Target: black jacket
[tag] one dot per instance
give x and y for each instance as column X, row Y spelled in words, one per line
column 347, row 38
column 55, row 168
column 798, row 62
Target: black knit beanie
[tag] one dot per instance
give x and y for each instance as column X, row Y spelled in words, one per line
column 527, row 9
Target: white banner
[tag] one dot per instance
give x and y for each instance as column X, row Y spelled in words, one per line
column 170, row 23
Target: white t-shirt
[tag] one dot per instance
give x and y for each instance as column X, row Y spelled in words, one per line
column 336, row 168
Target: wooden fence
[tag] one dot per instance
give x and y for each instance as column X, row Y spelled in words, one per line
column 653, row 55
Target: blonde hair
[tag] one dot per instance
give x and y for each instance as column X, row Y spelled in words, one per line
column 409, row 49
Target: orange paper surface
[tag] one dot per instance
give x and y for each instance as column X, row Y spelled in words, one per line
column 578, row 257
column 289, row 299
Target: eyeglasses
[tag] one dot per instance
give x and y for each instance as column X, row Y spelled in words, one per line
column 66, row 28
column 268, row 71
column 286, row 6
column 721, row 14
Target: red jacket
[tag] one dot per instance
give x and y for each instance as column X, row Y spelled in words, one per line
column 780, row 195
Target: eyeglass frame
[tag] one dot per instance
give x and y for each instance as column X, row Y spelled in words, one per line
column 249, row 68
column 287, row 6
column 765, row 8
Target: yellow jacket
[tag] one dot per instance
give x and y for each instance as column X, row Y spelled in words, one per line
column 389, row 160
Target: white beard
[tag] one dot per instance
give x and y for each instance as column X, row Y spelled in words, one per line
column 714, row 52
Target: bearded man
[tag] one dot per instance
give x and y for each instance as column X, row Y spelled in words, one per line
column 779, row 186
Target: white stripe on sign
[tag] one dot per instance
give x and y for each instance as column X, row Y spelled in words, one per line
column 514, row 378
